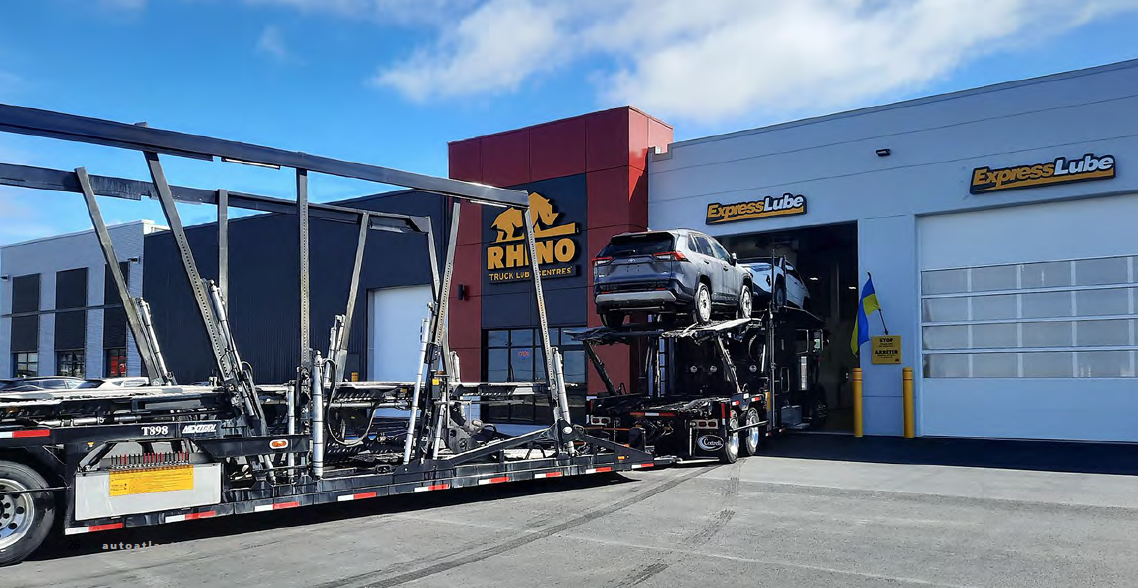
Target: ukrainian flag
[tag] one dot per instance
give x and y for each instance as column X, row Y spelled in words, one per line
column 865, row 307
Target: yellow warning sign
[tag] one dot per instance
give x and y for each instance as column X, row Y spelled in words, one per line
column 887, row 349
column 155, row 480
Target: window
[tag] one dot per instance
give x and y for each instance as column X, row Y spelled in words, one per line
column 114, row 362
column 1056, row 319
column 25, row 365
column 720, row 252
column 703, row 246
column 71, row 363
column 515, row 355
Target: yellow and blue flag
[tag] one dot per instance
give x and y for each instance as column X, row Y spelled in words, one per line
column 866, row 305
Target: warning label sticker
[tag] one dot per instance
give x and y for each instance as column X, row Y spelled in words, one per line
column 156, row 480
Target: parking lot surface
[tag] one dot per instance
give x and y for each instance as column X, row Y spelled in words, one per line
column 814, row 510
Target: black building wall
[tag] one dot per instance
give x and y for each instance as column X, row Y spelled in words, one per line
column 264, row 301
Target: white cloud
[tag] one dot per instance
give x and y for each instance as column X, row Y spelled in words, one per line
column 494, row 48
column 728, row 57
column 272, row 43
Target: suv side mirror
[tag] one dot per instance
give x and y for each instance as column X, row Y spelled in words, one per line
column 734, row 259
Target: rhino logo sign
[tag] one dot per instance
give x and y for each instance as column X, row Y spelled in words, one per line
column 509, row 223
column 507, row 257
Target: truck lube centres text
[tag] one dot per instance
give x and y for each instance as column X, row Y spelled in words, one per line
column 1060, row 171
column 786, row 205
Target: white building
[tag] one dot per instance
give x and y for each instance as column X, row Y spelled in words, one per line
column 998, row 225
column 59, row 312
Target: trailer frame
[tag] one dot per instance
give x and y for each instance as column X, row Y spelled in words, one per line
column 259, row 447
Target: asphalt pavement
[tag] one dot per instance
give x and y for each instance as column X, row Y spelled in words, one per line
column 811, row 511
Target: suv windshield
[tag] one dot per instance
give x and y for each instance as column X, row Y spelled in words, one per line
column 642, row 244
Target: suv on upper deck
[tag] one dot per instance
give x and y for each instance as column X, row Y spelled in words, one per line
column 678, row 271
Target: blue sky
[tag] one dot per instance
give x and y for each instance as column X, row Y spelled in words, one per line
column 391, row 81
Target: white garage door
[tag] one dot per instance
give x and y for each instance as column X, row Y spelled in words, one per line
column 1029, row 321
column 394, row 319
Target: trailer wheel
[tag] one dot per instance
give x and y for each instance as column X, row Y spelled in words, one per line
column 25, row 519
column 750, row 439
column 730, row 451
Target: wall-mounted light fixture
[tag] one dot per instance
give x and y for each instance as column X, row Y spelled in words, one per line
column 883, row 152
column 462, row 291
column 133, row 260
column 4, row 277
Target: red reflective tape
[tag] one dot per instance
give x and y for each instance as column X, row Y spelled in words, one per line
column 636, row 413
column 439, row 487
column 31, row 433
column 105, row 527
column 362, row 495
column 604, row 469
column 201, row 515
column 499, row 479
column 281, row 505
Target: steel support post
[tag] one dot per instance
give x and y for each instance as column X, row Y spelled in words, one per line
column 439, row 342
column 412, row 433
column 543, row 323
column 302, row 218
column 137, row 329
column 223, row 246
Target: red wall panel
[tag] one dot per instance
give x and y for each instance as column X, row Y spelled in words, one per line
column 637, row 139
column 505, row 159
column 557, row 149
column 608, row 197
column 465, row 159
column 470, row 224
column 659, row 134
column 607, row 139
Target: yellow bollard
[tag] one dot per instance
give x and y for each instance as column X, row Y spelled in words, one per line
column 857, row 402
column 907, row 400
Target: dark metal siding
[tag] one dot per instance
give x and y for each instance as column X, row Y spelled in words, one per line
column 71, row 330
column 110, row 291
column 26, row 293
column 71, row 288
column 25, row 333
column 114, row 327
column 264, row 305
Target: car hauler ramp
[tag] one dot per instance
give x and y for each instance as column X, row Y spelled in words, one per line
column 171, row 453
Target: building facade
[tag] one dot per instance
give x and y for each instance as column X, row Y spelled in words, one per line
column 997, row 225
column 60, row 314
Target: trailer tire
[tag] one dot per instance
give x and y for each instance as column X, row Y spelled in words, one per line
column 750, row 439
column 730, row 451
column 25, row 519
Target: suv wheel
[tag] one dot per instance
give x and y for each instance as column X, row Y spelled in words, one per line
column 701, row 312
column 779, row 296
column 612, row 318
column 746, row 302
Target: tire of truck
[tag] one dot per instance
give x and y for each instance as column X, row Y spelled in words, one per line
column 750, row 439
column 25, row 519
column 730, row 451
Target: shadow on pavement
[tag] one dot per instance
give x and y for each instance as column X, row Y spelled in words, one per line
column 58, row 546
column 1050, row 456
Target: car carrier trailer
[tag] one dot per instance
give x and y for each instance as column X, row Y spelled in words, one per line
column 714, row 390
column 83, row 461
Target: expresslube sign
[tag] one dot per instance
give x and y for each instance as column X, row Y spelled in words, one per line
column 769, row 206
column 1059, row 171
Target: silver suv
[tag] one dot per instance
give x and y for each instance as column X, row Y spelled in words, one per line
column 679, row 271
